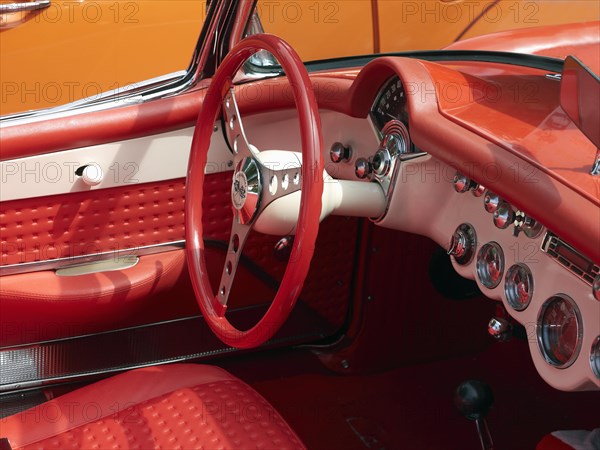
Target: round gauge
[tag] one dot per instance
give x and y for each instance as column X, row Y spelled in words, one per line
column 390, row 104
column 519, row 286
column 462, row 244
column 490, row 265
column 595, row 357
column 560, row 331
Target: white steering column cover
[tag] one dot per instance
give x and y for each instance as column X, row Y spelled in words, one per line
column 340, row 197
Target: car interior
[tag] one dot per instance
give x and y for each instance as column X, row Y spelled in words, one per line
column 388, row 251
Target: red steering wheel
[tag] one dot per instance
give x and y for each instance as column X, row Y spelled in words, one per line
column 253, row 191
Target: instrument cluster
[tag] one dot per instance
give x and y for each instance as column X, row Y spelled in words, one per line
column 390, row 104
column 554, row 294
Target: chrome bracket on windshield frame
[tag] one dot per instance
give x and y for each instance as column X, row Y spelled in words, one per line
column 596, row 166
column 146, row 90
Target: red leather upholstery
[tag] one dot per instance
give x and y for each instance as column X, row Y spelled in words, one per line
column 570, row 440
column 550, row 442
column 175, row 406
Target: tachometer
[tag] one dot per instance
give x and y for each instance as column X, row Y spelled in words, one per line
column 390, row 104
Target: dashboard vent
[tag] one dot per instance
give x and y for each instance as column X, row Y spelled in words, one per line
column 570, row 258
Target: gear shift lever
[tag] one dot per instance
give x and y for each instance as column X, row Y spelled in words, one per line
column 474, row 398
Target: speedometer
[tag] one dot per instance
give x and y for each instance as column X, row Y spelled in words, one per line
column 390, row 104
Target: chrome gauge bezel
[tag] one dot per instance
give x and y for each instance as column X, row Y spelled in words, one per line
column 541, row 341
column 482, row 273
column 466, row 233
column 510, row 286
column 397, row 147
column 595, row 357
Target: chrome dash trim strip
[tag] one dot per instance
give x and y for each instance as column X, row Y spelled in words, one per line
column 574, row 261
column 61, row 263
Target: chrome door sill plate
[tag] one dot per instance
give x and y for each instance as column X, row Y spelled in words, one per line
column 40, row 364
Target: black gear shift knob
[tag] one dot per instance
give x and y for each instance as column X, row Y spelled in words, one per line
column 473, row 398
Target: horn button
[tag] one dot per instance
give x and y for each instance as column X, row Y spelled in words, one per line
column 246, row 189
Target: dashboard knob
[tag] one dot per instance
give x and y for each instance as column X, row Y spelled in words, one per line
column 339, row 153
column 500, row 329
column 596, row 288
column 91, row 174
column 491, row 202
column 462, row 183
column 531, row 227
column 382, row 162
column 363, row 168
column 479, row 190
column 504, row 216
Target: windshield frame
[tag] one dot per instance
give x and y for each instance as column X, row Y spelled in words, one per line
column 219, row 32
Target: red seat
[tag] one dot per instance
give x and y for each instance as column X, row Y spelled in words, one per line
column 571, row 440
column 172, row 406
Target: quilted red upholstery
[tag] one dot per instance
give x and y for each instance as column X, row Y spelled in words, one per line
column 176, row 406
column 83, row 223
column 127, row 217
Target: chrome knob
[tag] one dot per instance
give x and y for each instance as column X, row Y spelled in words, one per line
column 479, row 190
column 491, row 202
column 382, row 162
column 532, row 228
column 339, row 153
column 500, row 329
column 362, row 168
column 504, row 216
column 462, row 244
column 283, row 248
column 462, row 183
column 596, row 288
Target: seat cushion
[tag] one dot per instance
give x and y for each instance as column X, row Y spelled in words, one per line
column 571, row 440
column 171, row 406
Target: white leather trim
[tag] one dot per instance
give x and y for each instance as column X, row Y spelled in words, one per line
column 165, row 156
column 143, row 160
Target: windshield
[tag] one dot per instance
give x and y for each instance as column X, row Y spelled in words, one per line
column 331, row 29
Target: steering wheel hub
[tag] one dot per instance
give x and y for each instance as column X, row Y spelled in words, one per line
column 239, row 189
column 246, row 188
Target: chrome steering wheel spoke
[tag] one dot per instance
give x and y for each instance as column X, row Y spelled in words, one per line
column 235, row 129
column 279, row 182
column 237, row 240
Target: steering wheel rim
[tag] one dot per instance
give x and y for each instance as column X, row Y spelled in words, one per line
column 307, row 227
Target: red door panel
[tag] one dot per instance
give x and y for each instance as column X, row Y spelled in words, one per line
column 41, row 305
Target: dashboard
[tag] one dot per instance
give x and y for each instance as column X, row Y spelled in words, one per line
column 544, row 283
column 485, row 179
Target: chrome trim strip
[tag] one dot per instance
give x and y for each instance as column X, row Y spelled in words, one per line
column 41, row 380
column 8, row 388
column 38, row 364
column 61, row 263
column 596, row 166
column 389, row 185
column 123, row 263
column 11, row 8
column 549, row 245
column 146, row 90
